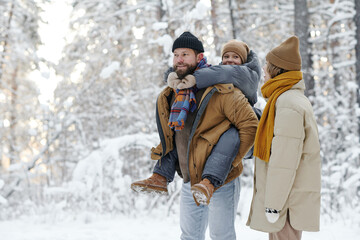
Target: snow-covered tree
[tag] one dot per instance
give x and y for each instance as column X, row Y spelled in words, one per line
column 333, row 37
column 357, row 49
column 19, row 106
column 83, row 149
column 112, row 67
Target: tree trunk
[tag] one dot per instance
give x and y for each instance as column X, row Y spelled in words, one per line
column 13, row 119
column 301, row 25
column 357, row 49
column 6, row 39
column 232, row 19
column 215, row 27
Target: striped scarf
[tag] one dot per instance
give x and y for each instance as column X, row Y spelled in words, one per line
column 184, row 102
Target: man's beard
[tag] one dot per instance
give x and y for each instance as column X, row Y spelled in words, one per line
column 190, row 69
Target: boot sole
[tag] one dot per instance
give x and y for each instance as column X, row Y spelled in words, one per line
column 199, row 196
column 148, row 189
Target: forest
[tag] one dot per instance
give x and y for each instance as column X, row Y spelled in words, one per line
column 80, row 148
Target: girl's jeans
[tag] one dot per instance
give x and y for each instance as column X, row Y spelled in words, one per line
column 218, row 164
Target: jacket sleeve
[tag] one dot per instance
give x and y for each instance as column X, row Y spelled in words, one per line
column 286, row 151
column 241, row 115
column 245, row 77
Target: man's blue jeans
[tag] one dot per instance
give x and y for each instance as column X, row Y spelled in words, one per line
column 219, row 214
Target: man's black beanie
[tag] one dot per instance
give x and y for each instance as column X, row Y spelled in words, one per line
column 187, row 40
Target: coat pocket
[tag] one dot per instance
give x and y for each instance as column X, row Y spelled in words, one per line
column 156, row 153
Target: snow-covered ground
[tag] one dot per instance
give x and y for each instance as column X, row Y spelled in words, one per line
column 90, row 227
column 155, row 224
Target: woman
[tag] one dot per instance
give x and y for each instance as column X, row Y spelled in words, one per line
column 287, row 182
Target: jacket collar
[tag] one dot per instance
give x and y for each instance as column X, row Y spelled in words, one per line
column 220, row 88
column 300, row 85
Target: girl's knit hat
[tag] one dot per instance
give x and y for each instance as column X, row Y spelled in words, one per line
column 286, row 55
column 238, row 47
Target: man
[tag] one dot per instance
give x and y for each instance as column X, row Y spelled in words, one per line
column 190, row 140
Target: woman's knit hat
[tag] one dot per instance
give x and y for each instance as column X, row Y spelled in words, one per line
column 238, row 47
column 188, row 40
column 286, row 55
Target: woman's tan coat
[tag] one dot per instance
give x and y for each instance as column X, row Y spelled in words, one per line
column 291, row 180
column 221, row 105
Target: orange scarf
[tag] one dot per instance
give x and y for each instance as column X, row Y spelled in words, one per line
column 272, row 89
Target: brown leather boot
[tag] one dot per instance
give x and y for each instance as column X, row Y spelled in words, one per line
column 154, row 184
column 202, row 192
